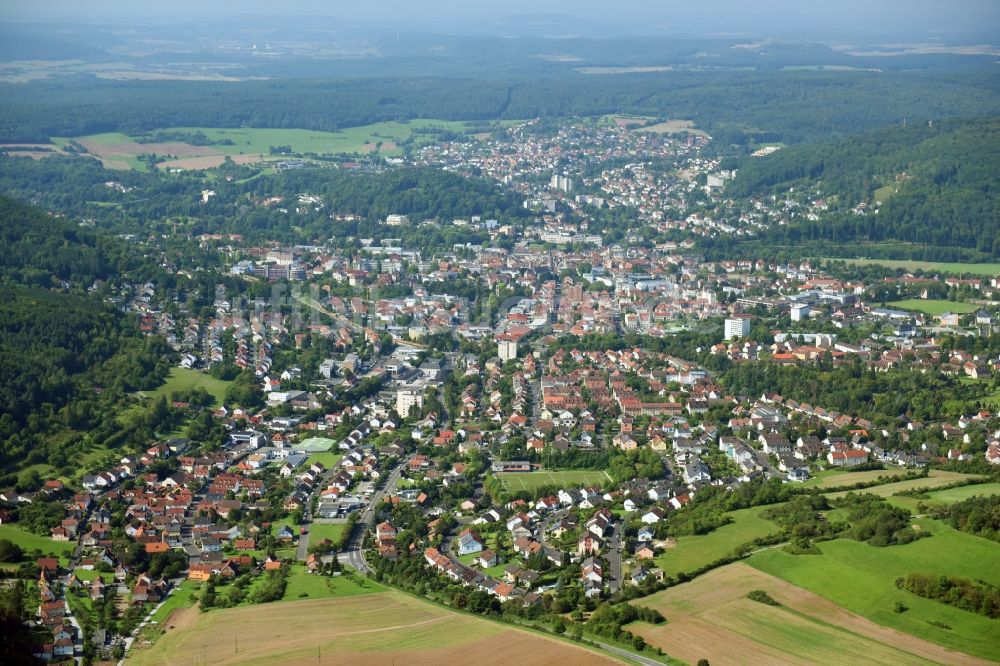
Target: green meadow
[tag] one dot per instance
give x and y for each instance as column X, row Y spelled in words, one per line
column 860, row 578
column 694, row 552
column 933, row 306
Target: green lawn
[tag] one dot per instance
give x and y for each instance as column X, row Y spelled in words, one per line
column 861, row 578
column 933, row 306
column 185, row 378
column 304, row 585
column 328, row 458
column 515, row 481
column 90, row 575
column 29, row 541
column 988, row 270
column 320, row 531
column 693, row 552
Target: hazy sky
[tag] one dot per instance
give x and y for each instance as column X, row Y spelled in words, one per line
column 930, row 17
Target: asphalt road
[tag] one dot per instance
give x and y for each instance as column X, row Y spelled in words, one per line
column 354, row 555
column 614, row 557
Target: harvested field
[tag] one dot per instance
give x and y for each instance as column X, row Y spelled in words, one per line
column 208, row 161
column 628, row 121
column 711, row 618
column 180, row 149
column 673, row 127
column 373, row 629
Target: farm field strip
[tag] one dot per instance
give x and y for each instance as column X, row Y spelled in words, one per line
column 370, row 629
column 254, row 145
column 711, row 618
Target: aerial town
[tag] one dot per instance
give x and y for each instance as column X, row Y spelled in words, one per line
column 537, row 332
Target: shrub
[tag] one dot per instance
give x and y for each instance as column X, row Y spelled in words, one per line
column 763, row 597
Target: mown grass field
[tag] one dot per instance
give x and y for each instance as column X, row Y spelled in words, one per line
column 833, row 478
column 946, row 496
column 382, row 628
column 693, row 552
column 304, row 585
column 328, row 458
column 320, row 531
column 988, row 270
column 29, row 541
column 90, row 575
column 711, row 618
column 952, row 495
column 933, row 306
column 936, row 479
column 515, row 481
column 182, row 379
column 860, row 578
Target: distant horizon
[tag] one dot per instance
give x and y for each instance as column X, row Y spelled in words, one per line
column 967, row 21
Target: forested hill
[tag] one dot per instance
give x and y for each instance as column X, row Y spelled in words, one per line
column 933, row 185
column 733, row 106
column 44, row 250
column 65, row 355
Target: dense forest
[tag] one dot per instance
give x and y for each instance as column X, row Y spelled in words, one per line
column 75, row 186
column 65, row 355
column 788, row 106
column 61, row 356
column 854, row 390
column 39, row 249
column 938, row 182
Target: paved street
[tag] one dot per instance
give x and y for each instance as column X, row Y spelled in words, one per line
column 354, row 554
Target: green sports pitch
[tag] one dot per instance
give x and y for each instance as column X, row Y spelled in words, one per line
column 515, row 481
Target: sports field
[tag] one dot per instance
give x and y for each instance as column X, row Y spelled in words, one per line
column 316, row 444
column 185, row 379
column 515, row 481
column 374, row 629
column 711, row 618
column 934, row 306
column 693, row 552
column 860, row 578
column 988, row 270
